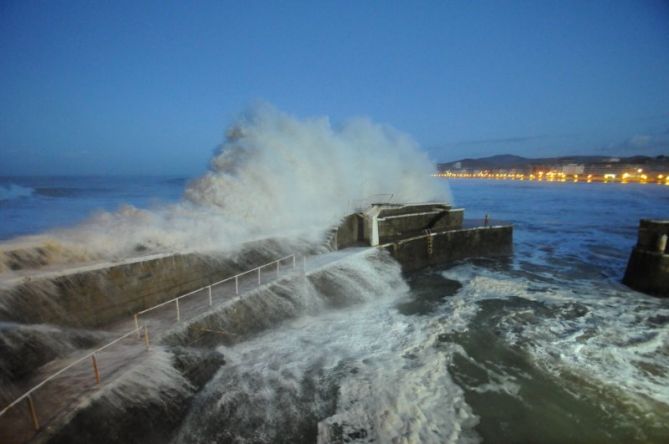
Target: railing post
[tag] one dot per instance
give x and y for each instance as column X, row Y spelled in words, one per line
column 146, row 337
column 178, row 312
column 259, row 276
column 95, row 369
column 237, row 284
column 139, row 334
column 211, row 301
column 33, row 413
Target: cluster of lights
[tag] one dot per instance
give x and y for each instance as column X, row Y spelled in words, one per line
column 637, row 176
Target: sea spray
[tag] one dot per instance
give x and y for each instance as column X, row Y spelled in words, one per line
column 300, row 173
column 141, row 405
column 25, row 347
column 275, row 175
column 357, row 371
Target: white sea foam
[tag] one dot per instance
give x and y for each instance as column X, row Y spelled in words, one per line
column 606, row 339
column 366, row 373
column 13, row 191
column 153, row 380
column 274, row 175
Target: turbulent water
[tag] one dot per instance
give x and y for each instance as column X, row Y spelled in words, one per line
column 274, row 175
column 545, row 346
column 31, row 205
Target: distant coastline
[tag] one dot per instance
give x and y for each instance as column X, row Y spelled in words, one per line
column 634, row 169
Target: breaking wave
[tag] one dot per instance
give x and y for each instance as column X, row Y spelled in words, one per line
column 359, row 373
column 13, row 191
column 275, row 175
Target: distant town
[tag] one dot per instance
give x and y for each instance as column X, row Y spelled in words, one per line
column 587, row 169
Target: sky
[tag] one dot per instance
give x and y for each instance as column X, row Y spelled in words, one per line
column 143, row 87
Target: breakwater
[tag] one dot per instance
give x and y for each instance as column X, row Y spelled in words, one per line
column 423, row 234
column 648, row 266
column 414, row 235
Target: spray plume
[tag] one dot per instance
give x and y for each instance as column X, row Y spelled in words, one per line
column 275, row 175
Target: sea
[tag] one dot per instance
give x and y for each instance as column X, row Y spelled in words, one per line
column 32, row 205
column 546, row 345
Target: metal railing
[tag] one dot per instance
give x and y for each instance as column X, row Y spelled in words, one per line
column 236, row 278
column 142, row 331
column 95, row 373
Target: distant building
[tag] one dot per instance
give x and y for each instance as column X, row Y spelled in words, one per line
column 571, row 169
column 602, row 169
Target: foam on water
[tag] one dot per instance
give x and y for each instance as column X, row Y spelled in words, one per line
column 275, row 175
column 594, row 340
column 153, row 380
column 365, row 372
column 13, row 191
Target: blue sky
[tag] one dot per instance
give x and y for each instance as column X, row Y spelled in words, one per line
column 146, row 87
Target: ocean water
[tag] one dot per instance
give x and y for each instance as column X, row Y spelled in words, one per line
column 557, row 350
column 31, row 205
column 543, row 346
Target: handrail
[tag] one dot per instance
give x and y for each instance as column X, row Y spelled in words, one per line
column 62, row 370
column 248, row 271
column 211, row 285
column 137, row 330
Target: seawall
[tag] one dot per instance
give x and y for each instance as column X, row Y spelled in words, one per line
column 435, row 248
column 420, row 235
column 96, row 296
column 648, row 266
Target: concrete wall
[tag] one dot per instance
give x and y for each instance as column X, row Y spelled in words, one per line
column 393, row 227
column 350, row 232
column 648, row 266
column 96, row 297
column 650, row 232
column 401, row 209
column 416, row 252
column 384, row 223
column 648, row 272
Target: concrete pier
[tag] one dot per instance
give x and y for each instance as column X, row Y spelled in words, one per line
column 94, row 296
column 184, row 334
column 648, row 266
column 418, row 235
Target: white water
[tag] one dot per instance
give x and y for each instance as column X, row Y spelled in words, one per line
column 275, row 175
column 527, row 348
column 609, row 346
column 13, row 191
column 365, row 371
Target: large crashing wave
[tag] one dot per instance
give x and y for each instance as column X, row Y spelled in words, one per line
column 299, row 173
column 275, row 175
column 361, row 373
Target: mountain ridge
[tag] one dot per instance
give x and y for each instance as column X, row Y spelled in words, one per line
column 512, row 161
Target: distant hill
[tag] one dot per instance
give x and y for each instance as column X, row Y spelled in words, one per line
column 509, row 161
